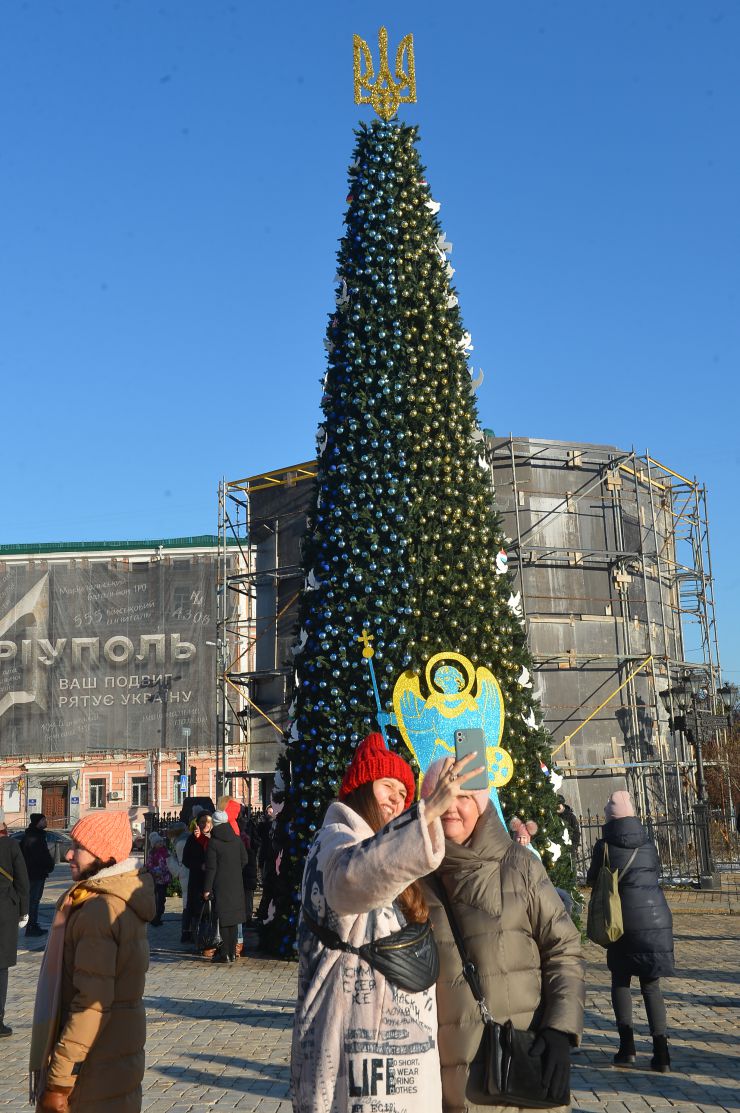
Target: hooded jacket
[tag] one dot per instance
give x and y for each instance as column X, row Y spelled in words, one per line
column 100, row 1049
column 225, row 860
column 359, row 1042
column 646, row 948
column 525, row 947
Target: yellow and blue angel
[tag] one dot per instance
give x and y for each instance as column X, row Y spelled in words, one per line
column 460, row 697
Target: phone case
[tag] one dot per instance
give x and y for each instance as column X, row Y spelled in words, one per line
column 467, row 742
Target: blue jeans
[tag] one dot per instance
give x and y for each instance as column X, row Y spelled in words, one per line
column 35, row 892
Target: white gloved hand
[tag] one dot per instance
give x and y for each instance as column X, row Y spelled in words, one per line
column 23, row 921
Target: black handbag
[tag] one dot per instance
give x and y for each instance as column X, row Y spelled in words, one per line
column 503, row 1071
column 207, row 932
column 408, row 958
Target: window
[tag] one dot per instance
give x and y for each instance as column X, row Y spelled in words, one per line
column 140, row 792
column 97, row 792
column 177, row 793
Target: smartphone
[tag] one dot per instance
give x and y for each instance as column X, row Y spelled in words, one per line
column 468, row 742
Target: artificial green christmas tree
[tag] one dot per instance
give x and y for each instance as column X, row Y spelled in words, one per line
column 402, row 541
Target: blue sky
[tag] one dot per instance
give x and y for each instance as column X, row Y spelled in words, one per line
column 172, row 190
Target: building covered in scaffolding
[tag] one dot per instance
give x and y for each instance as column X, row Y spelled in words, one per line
column 107, row 676
column 610, row 551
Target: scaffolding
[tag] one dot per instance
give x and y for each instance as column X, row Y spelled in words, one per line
column 260, row 521
column 612, row 555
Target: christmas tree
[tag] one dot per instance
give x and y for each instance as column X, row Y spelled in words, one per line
column 403, row 541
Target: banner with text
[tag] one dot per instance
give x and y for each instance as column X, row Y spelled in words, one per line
column 107, row 655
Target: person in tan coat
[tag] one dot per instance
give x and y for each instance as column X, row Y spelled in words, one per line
column 89, row 1025
column 525, row 946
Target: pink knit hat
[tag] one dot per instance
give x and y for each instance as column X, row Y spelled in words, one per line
column 619, row 806
column 521, row 831
column 106, row 836
column 433, row 774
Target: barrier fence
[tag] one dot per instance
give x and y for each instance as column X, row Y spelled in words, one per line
column 678, row 840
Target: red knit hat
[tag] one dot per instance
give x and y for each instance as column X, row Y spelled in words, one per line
column 373, row 761
column 107, row 835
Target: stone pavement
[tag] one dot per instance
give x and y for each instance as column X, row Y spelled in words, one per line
column 219, row 1037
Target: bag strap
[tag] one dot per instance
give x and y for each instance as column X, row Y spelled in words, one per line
column 328, row 937
column 469, row 968
column 630, row 860
column 6, row 874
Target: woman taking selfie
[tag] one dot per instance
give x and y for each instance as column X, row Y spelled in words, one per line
column 359, row 1039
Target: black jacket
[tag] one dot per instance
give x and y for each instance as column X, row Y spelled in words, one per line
column 249, row 873
column 13, row 899
column 570, row 820
column 194, row 860
column 35, row 850
column 646, row 948
column 225, row 860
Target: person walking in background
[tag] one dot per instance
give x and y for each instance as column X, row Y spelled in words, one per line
column 646, row 948
column 158, row 867
column 39, row 864
column 249, row 873
column 232, row 808
column 572, row 826
column 267, row 861
column 14, row 887
column 225, row 860
column 89, row 1024
column 194, row 860
column 264, row 850
column 179, row 835
column 525, row 947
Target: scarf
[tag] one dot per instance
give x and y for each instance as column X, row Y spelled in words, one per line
column 47, row 1008
column 202, row 839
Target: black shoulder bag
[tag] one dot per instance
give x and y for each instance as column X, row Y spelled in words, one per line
column 503, row 1071
column 408, row 958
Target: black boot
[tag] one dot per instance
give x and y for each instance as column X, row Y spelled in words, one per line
column 661, row 1060
column 626, row 1053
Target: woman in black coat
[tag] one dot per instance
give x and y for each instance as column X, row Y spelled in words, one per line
column 194, row 861
column 13, row 911
column 646, row 948
column 225, row 860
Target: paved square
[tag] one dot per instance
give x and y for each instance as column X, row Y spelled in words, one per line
column 219, row 1036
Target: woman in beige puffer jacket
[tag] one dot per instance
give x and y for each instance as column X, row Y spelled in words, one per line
column 526, row 948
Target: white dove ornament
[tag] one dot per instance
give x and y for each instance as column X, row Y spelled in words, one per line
column 476, row 382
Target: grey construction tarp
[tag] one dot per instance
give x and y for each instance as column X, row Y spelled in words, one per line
column 106, row 655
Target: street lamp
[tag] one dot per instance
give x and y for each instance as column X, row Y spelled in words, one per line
column 728, row 696
column 686, row 695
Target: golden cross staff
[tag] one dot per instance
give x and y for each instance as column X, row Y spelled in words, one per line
column 386, row 93
column 368, row 653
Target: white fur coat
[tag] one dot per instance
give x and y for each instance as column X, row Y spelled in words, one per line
column 360, row 1044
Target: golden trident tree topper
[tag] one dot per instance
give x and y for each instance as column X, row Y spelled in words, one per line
column 385, row 93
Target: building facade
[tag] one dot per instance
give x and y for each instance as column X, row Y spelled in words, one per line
column 107, row 675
